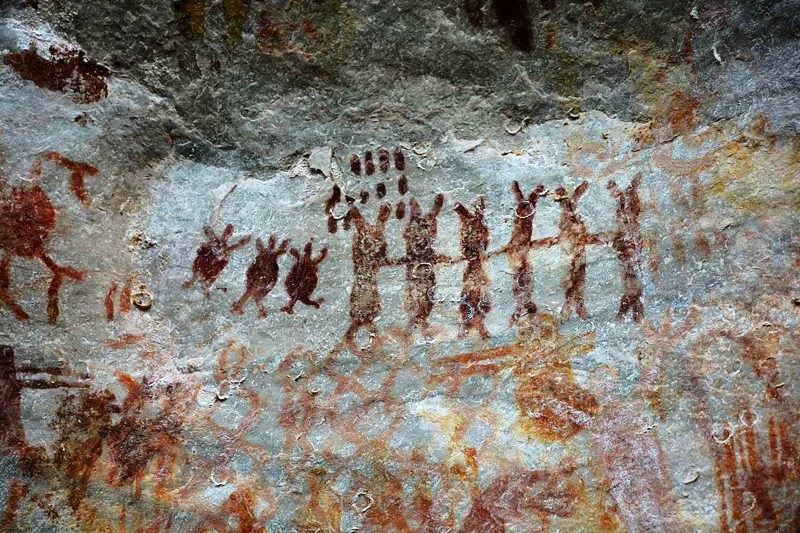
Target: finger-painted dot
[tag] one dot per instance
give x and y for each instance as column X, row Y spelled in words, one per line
column 402, row 185
column 369, row 165
column 355, row 165
column 383, row 159
column 399, row 159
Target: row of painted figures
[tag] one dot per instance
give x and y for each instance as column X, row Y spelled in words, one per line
column 262, row 275
column 369, row 256
column 27, row 216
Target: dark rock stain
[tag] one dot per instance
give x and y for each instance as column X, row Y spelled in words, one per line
column 235, row 13
column 191, row 15
column 515, row 16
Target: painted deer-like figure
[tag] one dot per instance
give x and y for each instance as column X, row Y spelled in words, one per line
column 26, row 219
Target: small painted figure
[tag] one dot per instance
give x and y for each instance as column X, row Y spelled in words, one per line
column 475, row 298
column 573, row 238
column 213, row 256
column 302, row 279
column 420, row 237
column 369, row 256
column 518, row 250
column 627, row 242
column 262, row 274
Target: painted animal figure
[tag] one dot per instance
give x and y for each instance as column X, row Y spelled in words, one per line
column 213, row 256
column 26, row 219
column 302, row 279
column 262, row 274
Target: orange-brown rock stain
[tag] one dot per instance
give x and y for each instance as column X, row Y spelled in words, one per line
column 551, row 403
column 16, row 493
column 528, row 497
column 750, row 470
column 237, row 514
column 82, row 423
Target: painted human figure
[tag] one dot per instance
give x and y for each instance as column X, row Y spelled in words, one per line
column 420, row 237
column 627, row 242
column 475, row 299
column 213, row 256
column 262, row 274
column 573, row 238
column 369, row 256
column 302, row 279
column 518, row 249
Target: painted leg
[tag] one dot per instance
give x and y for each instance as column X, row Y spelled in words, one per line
column 5, row 294
column 238, row 307
column 55, row 285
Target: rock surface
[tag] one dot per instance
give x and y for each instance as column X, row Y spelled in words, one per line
column 477, row 266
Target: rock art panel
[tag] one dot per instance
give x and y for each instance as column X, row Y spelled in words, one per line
column 494, row 266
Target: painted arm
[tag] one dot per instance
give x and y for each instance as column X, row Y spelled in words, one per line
column 322, row 255
column 547, row 241
column 438, row 202
column 241, row 242
column 580, row 190
column 517, row 191
column 462, row 211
